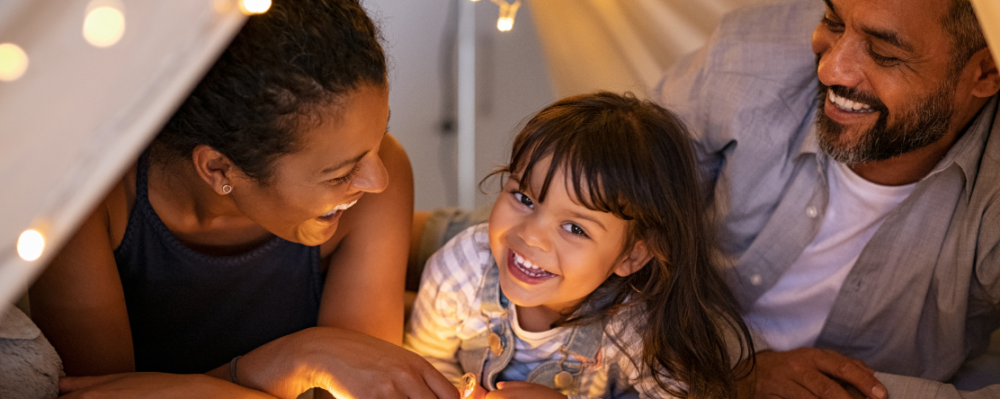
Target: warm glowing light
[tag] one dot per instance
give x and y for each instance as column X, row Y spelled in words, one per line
column 104, row 26
column 30, row 245
column 505, row 24
column 507, row 12
column 222, row 5
column 254, row 6
column 13, row 62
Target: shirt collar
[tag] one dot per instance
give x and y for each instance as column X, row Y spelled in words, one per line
column 968, row 150
column 810, row 143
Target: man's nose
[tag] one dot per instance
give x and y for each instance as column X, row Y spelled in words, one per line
column 841, row 63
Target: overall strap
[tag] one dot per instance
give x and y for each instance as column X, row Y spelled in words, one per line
column 491, row 298
column 582, row 350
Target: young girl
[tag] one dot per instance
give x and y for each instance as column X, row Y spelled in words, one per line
column 593, row 277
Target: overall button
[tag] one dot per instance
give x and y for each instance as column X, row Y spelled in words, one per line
column 495, row 345
column 756, row 279
column 563, row 380
column 812, row 212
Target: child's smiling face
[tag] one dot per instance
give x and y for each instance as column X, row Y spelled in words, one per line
column 554, row 253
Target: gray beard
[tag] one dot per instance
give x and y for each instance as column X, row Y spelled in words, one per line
column 918, row 126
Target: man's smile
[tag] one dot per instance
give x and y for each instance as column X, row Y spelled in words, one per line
column 847, row 105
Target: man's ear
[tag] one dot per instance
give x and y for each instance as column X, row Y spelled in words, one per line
column 987, row 78
column 213, row 168
column 634, row 260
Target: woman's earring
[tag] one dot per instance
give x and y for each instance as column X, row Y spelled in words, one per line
column 226, row 189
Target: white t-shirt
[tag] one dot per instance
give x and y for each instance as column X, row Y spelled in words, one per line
column 531, row 349
column 792, row 313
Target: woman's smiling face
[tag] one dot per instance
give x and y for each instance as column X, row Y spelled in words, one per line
column 552, row 253
column 337, row 163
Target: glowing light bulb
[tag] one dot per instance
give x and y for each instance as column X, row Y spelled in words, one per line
column 13, row 62
column 104, row 26
column 250, row 7
column 505, row 24
column 30, row 245
column 507, row 12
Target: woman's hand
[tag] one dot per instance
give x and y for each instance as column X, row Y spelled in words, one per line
column 154, row 385
column 346, row 363
column 521, row 389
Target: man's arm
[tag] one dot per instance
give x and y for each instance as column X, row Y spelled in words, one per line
column 900, row 387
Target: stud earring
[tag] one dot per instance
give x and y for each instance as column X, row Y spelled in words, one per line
column 226, row 189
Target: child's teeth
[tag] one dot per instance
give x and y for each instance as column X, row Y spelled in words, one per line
column 529, row 267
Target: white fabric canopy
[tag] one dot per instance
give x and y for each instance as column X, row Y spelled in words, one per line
column 621, row 45
column 80, row 114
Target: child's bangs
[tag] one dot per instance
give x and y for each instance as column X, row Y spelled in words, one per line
column 580, row 153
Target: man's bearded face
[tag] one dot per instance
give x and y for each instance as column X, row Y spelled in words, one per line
column 920, row 123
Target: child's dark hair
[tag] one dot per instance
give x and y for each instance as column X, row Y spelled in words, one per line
column 634, row 159
column 273, row 78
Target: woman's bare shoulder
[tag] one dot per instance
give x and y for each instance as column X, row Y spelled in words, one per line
column 118, row 204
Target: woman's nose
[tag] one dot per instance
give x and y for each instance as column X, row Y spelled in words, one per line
column 372, row 176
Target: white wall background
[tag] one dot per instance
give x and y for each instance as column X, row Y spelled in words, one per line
column 512, row 83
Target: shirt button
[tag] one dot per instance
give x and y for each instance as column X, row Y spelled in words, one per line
column 812, row 212
column 756, row 279
column 495, row 345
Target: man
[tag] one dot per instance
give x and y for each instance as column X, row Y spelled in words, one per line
column 856, row 181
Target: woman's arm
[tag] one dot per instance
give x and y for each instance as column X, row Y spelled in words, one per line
column 78, row 302
column 365, row 280
column 159, row 385
column 346, row 363
column 437, row 315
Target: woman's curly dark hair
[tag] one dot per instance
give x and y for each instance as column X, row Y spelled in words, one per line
column 272, row 79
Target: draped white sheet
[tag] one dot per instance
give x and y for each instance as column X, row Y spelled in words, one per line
column 80, row 114
column 621, row 45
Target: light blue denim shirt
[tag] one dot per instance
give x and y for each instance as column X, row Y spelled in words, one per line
column 924, row 293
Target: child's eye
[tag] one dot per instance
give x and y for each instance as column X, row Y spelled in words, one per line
column 523, row 199
column 575, row 230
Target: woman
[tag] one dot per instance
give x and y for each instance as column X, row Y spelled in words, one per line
column 262, row 209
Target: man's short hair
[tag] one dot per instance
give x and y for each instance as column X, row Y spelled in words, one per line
column 966, row 35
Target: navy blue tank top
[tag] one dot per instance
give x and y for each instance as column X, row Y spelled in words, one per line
column 190, row 312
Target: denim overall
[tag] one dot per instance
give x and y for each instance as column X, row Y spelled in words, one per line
column 488, row 353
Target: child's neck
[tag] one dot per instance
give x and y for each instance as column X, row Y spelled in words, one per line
column 536, row 318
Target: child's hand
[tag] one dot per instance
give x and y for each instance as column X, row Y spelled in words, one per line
column 521, row 389
column 470, row 388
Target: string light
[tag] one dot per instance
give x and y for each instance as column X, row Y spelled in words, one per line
column 30, row 245
column 104, row 24
column 13, row 62
column 507, row 13
column 250, row 7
